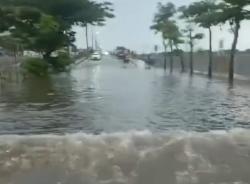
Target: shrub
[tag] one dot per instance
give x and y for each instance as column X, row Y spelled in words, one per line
column 36, row 66
column 40, row 67
column 61, row 62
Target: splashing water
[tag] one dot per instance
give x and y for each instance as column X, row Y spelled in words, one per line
column 126, row 158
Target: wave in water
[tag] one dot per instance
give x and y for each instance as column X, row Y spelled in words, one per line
column 127, row 158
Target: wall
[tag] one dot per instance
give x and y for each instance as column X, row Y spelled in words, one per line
column 220, row 66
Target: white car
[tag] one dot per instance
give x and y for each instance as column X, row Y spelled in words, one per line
column 96, row 56
column 105, row 53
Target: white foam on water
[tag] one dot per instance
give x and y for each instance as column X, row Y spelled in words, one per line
column 136, row 157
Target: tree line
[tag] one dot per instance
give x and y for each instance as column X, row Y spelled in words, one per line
column 205, row 14
column 45, row 26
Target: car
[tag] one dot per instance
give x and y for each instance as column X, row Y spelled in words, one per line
column 126, row 59
column 106, row 53
column 95, row 56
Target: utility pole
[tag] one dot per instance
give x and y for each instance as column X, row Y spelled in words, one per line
column 92, row 40
column 87, row 37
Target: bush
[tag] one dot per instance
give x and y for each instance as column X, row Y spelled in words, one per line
column 40, row 67
column 61, row 62
column 36, row 66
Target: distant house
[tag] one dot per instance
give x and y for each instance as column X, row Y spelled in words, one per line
column 31, row 54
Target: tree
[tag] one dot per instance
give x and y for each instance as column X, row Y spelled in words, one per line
column 189, row 33
column 234, row 12
column 168, row 29
column 95, row 14
column 5, row 19
column 12, row 45
column 171, row 34
column 203, row 14
column 46, row 26
column 179, row 52
column 38, row 32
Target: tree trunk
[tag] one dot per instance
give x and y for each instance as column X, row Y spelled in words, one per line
column 191, row 53
column 47, row 56
column 180, row 54
column 182, row 62
column 210, row 65
column 15, row 54
column 171, row 57
column 87, row 36
column 92, row 39
column 233, row 51
column 165, row 55
column 191, row 62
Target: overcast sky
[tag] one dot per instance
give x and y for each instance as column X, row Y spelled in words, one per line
column 130, row 28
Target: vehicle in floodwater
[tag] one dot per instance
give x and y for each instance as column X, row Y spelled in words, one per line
column 96, row 56
column 126, row 59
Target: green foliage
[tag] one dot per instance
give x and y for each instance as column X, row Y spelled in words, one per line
column 9, row 43
column 61, row 62
column 198, row 36
column 178, row 40
column 164, row 23
column 38, row 31
column 207, row 13
column 5, row 19
column 165, row 12
column 169, row 30
column 44, row 36
column 41, row 67
column 35, row 66
column 188, row 13
column 95, row 13
column 234, row 11
column 46, row 26
column 177, row 52
column 184, row 12
column 203, row 12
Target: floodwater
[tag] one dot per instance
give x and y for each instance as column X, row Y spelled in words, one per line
column 115, row 123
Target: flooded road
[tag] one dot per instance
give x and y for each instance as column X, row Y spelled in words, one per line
column 111, row 123
column 110, row 97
